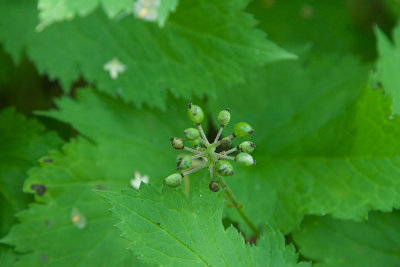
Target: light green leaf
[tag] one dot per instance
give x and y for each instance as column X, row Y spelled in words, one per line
column 51, row 11
column 330, row 242
column 325, row 144
column 389, row 66
column 166, row 228
column 190, row 56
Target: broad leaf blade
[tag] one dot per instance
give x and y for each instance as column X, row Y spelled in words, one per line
column 389, row 66
column 330, row 242
column 189, row 57
column 167, row 228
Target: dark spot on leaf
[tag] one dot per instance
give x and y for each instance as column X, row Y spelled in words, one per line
column 44, row 258
column 48, row 223
column 100, row 187
column 48, row 160
column 39, row 188
column 158, row 223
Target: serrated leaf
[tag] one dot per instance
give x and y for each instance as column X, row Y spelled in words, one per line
column 330, row 242
column 325, row 144
column 51, row 11
column 70, row 211
column 389, row 65
column 185, row 58
column 22, row 142
column 166, row 228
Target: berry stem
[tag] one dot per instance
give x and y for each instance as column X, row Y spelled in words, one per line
column 211, row 167
column 203, row 142
column 202, row 134
column 194, row 169
column 238, row 207
column 199, row 155
column 191, row 150
column 219, row 134
column 231, row 150
column 225, row 157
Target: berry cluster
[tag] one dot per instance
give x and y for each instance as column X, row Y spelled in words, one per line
column 205, row 151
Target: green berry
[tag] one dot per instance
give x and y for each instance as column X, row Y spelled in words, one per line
column 195, row 142
column 224, row 168
column 245, row 159
column 242, row 129
column 226, row 142
column 247, row 146
column 177, row 143
column 195, row 113
column 214, row 186
column 224, row 117
column 184, row 162
column 173, row 180
column 191, row 133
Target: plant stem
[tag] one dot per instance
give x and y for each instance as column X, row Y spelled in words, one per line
column 199, row 155
column 202, row 134
column 194, row 169
column 238, row 207
column 211, row 172
column 231, row 150
column 225, row 157
column 219, row 134
column 191, row 150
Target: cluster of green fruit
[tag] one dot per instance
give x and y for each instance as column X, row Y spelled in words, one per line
column 205, row 151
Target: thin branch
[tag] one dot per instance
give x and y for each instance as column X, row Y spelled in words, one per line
column 199, row 155
column 231, row 150
column 194, row 169
column 225, row 157
column 202, row 134
column 238, row 207
column 219, row 134
column 211, row 172
column 203, row 142
column 191, row 150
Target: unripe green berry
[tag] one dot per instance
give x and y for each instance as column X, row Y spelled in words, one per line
column 242, row 129
column 184, row 162
column 226, row 142
column 245, row 159
column 195, row 113
column 247, row 147
column 173, row 180
column 213, row 186
column 177, row 143
column 224, row 117
column 191, row 133
column 224, row 168
column 195, row 142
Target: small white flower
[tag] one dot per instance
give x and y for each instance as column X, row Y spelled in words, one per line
column 115, row 67
column 135, row 183
column 146, row 9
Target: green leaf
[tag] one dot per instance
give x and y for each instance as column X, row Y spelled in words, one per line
column 70, row 211
column 22, row 142
column 325, row 144
column 55, row 11
column 185, row 58
column 389, row 64
column 71, row 223
column 296, row 22
column 331, row 242
column 169, row 229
